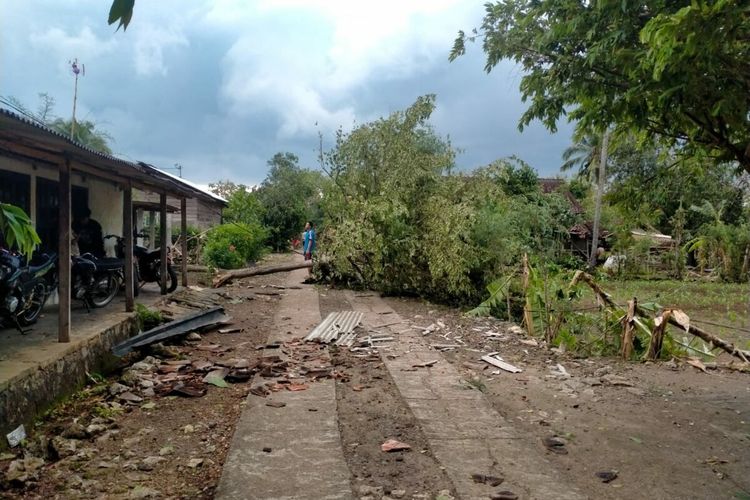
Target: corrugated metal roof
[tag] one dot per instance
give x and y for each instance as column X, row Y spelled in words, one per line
column 337, row 326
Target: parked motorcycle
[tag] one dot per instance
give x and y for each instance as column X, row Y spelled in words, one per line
column 25, row 287
column 94, row 280
column 147, row 264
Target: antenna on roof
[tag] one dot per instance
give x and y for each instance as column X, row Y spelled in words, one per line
column 177, row 167
column 76, row 71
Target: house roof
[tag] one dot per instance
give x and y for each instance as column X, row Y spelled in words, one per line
column 29, row 139
column 549, row 185
column 195, row 186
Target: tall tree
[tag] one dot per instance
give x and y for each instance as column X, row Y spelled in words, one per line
column 86, row 134
column 582, row 156
column 673, row 68
column 289, row 195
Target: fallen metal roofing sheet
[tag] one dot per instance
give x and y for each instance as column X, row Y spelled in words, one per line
column 337, row 324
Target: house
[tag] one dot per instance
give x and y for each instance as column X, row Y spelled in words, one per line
column 52, row 178
column 204, row 212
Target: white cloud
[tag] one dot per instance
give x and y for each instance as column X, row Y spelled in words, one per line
column 84, row 45
column 150, row 43
column 308, row 72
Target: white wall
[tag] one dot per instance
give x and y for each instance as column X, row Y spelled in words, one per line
column 105, row 197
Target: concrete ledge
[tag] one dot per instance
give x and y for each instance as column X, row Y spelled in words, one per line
column 35, row 388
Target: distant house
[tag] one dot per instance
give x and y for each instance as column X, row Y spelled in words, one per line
column 581, row 233
column 204, row 212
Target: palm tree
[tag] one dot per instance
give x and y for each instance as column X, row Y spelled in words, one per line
column 86, row 134
column 583, row 156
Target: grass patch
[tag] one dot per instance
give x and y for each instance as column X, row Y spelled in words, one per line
column 477, row 383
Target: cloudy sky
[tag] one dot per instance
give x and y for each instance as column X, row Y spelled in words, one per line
column 219, row 86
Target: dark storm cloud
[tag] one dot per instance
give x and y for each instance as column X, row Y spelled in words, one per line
column 222, row 87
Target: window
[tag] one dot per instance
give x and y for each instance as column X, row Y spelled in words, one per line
column 15, row 189
column 47, row 202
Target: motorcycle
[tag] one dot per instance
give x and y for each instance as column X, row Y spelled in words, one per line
column 94, row 280
column 147, row 264
column 25, row 287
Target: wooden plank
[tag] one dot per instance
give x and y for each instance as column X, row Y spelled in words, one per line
column 64, row 220
column 183, row 232
column 163, row 241
column 127, row 231
column 492, row 359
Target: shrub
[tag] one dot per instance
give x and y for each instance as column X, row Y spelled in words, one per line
column 231, row 246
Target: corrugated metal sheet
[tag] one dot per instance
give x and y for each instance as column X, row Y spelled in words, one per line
column 338, row 326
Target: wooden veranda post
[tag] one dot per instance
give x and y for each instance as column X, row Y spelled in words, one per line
column 64, row 197
column 183, row 240
column 127, row 233
column 163, row 241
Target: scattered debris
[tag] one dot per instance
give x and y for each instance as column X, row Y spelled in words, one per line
column 216, row 377
column 229, row 330
column 555, row 445
column 495, row 360
column 504, row 495
column 697, row 363
column 16, row 436
column 530, row 342
column 335, row 325
column 445, row 347
column 560, row 371
column 426, row 364
column 393, row 445
column 485, row 479
column 616, row 380
column 276, row 404
column 607, row 476
column 174, row 328
column 195, row 462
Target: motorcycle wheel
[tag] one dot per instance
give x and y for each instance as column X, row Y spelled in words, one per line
column 31, row 314
column 171, row 278
column 103, row 290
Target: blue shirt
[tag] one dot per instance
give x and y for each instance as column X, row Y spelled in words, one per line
column 308, row 245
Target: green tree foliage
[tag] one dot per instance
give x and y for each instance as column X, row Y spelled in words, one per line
column 583, row 156
column 85, row 134
column 122, row 11
column 645, row 179
column 675, row 69
column 397, row 222
column 233, row 245
column 17, row 230
column 226, row 188
column 290, row 195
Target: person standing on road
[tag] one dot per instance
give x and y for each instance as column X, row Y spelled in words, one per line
column 308, row 241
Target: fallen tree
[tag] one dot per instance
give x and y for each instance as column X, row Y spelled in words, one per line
column 228, row 276
column 674, row 317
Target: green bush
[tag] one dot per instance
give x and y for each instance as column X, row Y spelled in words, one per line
column 231, row 246
column 192, row 236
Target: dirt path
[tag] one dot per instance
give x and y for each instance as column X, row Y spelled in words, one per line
column 287, row 445
column 314, row 417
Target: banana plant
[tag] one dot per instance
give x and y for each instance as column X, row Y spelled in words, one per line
column 17, row 229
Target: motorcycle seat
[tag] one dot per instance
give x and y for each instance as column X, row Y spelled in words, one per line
column 40, row 263
column 109, row 264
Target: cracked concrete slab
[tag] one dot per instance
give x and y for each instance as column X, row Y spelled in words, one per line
column 465, row 433
column 289, row 452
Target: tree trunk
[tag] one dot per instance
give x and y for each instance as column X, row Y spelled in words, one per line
column 222, row 279
column 598, row 206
